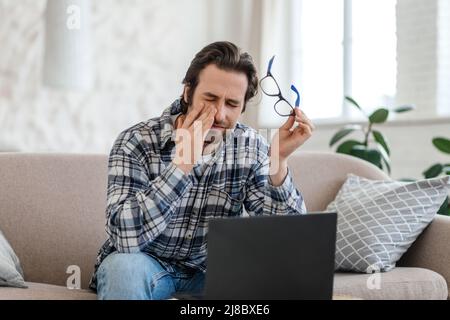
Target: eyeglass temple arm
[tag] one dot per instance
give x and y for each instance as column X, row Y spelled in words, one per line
column 297, row 101
column 270, row 65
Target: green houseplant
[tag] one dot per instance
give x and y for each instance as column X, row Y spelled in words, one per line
column 375, row 151
column 443, row 145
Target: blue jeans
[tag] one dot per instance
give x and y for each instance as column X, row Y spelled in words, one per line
column 137, row 276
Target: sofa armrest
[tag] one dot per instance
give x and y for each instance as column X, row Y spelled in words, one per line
column 431, row 249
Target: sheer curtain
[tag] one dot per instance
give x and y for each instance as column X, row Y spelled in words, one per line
column 263, row 28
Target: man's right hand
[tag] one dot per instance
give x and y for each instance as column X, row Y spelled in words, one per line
column 191, row 131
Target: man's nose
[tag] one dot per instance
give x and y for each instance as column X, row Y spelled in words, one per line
column 220, row 113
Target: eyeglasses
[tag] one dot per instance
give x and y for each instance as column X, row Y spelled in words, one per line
column 271, row 88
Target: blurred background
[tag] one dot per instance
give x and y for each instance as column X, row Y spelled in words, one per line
column 74, row 74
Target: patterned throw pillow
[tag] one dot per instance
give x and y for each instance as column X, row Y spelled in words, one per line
column 11, row 274
column 379, row 220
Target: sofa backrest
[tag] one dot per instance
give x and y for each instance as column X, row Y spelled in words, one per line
column 52, row 206
column 320, row 175
column 52, row 211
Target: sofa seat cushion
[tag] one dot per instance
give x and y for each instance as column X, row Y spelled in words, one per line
column 41, row 291
column 400, row 283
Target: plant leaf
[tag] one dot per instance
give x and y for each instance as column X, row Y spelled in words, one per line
column 347, row 146
column 372, row 156
column 380, row 139
column 388, row 166
column 444, row 209
column 353, row 102
column 402, row 109
column 433, row 171
column 385, row 158
column 359, row 151
column 442, row 144
column 341, row 134
column 379, row 116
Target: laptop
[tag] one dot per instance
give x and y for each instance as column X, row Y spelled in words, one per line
column 270, row 258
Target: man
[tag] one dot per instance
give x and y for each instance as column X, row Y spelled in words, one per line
column 168, row 175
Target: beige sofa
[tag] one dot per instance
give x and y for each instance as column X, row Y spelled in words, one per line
column 52, row 212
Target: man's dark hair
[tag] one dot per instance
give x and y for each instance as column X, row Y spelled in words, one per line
column 226, row 56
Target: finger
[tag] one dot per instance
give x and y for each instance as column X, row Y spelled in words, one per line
column 304, row 119
column 205, row 113
column 201, row 124
column 209, row 120
column 289, row 123
column 193, row 115
column 304, row 116
column 207, row 123
column 206, row 119
column 298, row 114
column 304, row 129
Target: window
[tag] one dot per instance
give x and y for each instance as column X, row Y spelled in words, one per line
column 347, row 48
column 322, row 74
column 374, row 63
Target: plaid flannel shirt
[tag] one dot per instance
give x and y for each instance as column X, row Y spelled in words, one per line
column 155, row 208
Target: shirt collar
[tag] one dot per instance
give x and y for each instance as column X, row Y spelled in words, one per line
column 166, row 122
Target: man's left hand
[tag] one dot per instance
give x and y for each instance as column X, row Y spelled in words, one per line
column 290, row 136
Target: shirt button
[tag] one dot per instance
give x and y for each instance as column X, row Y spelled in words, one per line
column 189, row 235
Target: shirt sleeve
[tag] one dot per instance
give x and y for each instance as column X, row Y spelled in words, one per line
column 138, row 210
column 262, row 198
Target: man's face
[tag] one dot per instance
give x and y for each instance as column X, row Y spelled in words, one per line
column 226, row 91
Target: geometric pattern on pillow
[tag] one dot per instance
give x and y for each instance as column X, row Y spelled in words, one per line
column 379, row 220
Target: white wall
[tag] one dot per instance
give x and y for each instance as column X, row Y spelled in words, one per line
column 142, row 49
column 444, row 54
column 423, row 55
